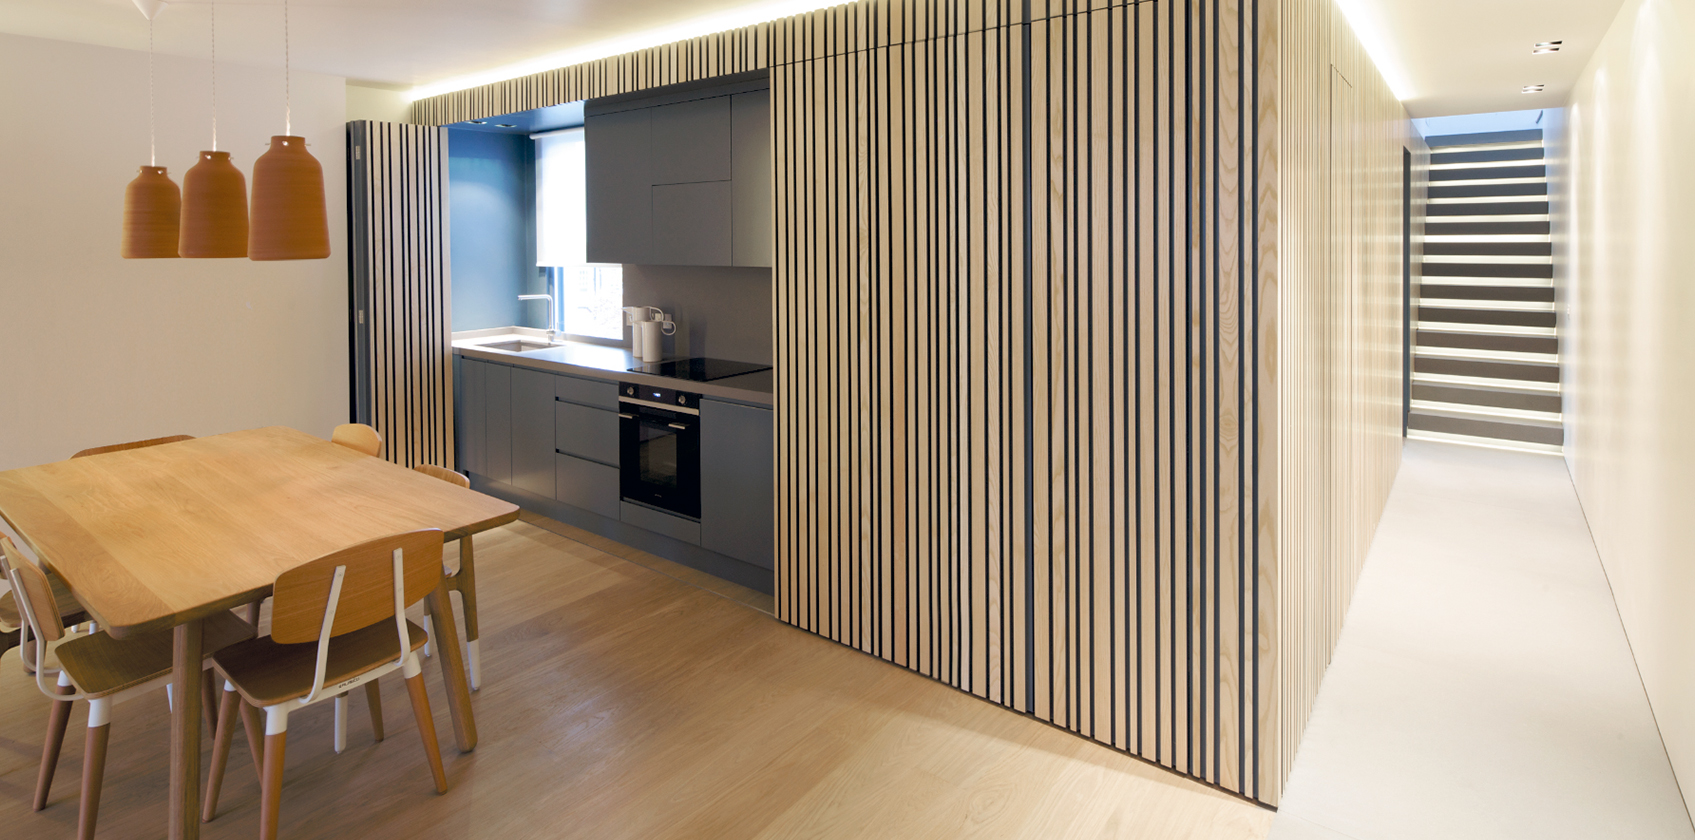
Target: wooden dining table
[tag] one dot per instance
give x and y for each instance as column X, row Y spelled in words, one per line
column 162, row 537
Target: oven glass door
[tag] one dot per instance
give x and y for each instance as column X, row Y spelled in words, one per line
column 660, row 458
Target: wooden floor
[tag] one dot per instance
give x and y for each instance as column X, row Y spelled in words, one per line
column 625, row 696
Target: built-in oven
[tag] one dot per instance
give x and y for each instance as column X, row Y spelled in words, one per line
column 659, row 448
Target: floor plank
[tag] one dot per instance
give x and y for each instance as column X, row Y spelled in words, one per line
column 628, row 697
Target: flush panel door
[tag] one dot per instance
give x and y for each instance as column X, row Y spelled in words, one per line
column 497, row 414
column 619, row 162
column 751, row 184
column 532, row 431
column 691, row 141
column 691, row 224
column 470, row 409
column 737, row 501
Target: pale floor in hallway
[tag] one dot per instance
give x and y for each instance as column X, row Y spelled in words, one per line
column 627, row 697
column 1483, row 686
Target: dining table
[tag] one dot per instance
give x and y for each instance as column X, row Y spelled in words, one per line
column 164, row 536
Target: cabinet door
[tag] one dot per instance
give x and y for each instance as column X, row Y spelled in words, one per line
column 691, row 141
column 737, row 477
column 618, row 149
column 691, row 224
column 532, row 431
column 497, row 415
column 750, row 121
column 468, row 422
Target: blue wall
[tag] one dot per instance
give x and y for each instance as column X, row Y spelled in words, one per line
column 491, row 195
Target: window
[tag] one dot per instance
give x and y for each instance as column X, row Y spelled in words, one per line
column 588, row 297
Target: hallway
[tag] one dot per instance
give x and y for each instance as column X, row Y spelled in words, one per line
column 1483, row 686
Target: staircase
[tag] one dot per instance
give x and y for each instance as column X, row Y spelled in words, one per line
column 1486, row 363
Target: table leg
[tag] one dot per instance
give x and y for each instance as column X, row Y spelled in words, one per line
column 186, row 675
column 446, row 640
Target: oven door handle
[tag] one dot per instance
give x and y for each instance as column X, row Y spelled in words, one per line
column 626, row 416
column 678, row 426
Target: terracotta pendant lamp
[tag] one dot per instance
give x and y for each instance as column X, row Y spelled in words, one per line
column 214, row 201
column 289, row 217
column 151, row 201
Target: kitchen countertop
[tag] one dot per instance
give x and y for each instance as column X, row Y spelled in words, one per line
column 597, row 361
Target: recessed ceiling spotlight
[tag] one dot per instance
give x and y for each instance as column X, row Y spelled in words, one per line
column 478, row 122
column 1532, row 89
column 504, row 125
column 1546, row 47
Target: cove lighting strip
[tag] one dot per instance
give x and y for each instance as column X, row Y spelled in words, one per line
column 1366, row 18
column 724, row 21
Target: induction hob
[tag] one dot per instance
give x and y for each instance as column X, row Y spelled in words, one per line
column 699, row 369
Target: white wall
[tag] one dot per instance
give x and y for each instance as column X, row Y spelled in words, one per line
column 95, row 349
column 381, row 104
column 1628, row 304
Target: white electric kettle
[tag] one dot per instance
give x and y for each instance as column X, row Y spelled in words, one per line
column 647, row 324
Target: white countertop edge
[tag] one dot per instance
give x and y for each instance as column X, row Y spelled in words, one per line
column 596, row 361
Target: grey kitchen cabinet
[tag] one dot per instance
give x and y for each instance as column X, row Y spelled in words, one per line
column 497, row 422
column 532, row 431
column 594, row 393
column 683, row 178
column 468, row 428
column 750, row 176
column 588, row 485
column 737, row 477
column 619, row 151
column 692, row 224
column 585, row 432
column 691, row 141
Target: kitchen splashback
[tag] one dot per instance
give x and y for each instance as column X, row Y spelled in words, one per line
column 724, row 313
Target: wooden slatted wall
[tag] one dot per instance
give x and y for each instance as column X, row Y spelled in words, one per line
column 1059, row 417
column 400, row 291
column 1341, row 135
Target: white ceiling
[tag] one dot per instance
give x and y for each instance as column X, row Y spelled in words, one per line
column 1473, row 56
column 1443, row 56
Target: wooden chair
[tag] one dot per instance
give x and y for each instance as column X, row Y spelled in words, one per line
column 359, row 438
column 337, row 623
column 93, row 667
column 463, row 581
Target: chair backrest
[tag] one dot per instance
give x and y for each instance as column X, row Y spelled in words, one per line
column 447, row 475
column 301, row 598
column 359, row 438
column 34, row 594
column 134, row 444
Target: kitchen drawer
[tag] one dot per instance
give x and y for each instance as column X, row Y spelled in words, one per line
column 648, row 519
column 593, row 392
column 586, row 484
column 586, row 432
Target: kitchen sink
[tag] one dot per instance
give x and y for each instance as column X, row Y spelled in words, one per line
column 517, row 346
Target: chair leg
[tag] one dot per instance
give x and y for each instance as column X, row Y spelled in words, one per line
column 58, row 717
column 220, row 751
column 209, row 699
column 270, row 795
column 341, row 723
column 429, row 630
column 94, row 765
column 255, row 736
column 426, row 723
column 374, row 702
column 467, row 585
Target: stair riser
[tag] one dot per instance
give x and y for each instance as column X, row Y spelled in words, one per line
column 1489, row 208
column 1431, row 290
column 1489, row 249
column 1486, row 341
column 1484, row 173
column 1486, row 429
column 1514, row 371
column 1462, row 395
column 1534, row 271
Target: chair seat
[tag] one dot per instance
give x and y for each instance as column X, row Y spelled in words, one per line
column 101, row 665
column 267, row 673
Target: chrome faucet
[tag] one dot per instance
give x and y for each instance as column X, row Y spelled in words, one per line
column 551, row 332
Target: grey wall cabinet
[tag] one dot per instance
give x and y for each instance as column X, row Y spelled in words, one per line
column 695, row 189
column 750, row 177
column 737, row 501
column 618, row 148
column 532, row 431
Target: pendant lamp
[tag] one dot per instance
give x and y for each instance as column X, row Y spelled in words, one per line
column 151, row 201
column 289, row 217
column 214, row 200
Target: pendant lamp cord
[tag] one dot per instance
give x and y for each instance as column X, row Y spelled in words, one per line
column 152, row 133
column 214, row 76
column 288, row 102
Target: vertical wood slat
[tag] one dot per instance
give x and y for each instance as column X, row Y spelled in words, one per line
column 403, row 350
